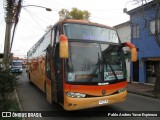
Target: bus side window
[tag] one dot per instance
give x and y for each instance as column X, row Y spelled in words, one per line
column 57, row 59
column 48, row 65
column 55, row 36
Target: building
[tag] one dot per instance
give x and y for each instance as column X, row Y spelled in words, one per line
column 124, row 32
column 142, row 20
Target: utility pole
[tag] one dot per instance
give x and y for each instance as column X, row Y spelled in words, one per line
column 9, row 20
column 7, row 43
column 12, row 12
column 13, row 8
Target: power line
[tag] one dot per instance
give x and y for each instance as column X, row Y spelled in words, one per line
column 59, row 3
column 106, row 10
column 101, row 18
column 31, row 29
column 37, row 17
column 43, row 14
column 34, row 19
column 27, row 25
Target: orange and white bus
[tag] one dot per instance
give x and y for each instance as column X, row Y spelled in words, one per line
column 80, row 64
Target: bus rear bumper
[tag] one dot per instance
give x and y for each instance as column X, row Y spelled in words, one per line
column 83, row 103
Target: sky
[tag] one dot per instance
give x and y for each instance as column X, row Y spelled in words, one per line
column 33, row 21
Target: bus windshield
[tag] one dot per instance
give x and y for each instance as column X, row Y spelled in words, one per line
column 95, row 63
column 88, row 33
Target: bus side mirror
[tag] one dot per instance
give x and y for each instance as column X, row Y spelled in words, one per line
column 63, row 48
column 133, row 50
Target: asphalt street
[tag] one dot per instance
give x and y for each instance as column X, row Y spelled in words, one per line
column 32, row 99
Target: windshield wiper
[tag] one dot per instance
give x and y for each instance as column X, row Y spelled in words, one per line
column 96, row 67
column 105, row 54
column 111, row 69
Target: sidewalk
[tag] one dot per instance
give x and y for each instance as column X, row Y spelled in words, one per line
column 141, row 89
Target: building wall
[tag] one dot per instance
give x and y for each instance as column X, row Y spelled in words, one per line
column 145, row 43
column 124, row 33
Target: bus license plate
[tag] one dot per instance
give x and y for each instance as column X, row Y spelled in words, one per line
column 103, row 102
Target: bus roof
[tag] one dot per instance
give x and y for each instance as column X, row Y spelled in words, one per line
column 84, row 22
column 60, row 22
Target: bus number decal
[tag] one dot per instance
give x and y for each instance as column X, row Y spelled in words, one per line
column 103, row 102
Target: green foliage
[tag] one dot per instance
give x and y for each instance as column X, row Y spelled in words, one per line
column 64, row 13
column 7, row 83
column 74, row 14
column 7, row 98
column 11, row 105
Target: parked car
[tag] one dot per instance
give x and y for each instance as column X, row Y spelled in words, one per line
column 16, row 66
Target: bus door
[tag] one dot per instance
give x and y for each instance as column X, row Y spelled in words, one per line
column 58, row 75
column 48, row 83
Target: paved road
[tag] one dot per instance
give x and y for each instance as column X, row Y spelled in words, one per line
column 32, row 99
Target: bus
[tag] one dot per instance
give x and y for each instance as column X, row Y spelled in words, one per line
column 80, row 64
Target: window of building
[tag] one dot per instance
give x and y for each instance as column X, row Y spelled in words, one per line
column 152, row 26
column 135, row 31
column 151, row 71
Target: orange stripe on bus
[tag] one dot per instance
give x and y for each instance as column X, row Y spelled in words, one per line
column 95, row 90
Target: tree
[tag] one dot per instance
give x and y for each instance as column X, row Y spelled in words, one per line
column 75, row 13
column 156, row 37
column 64, row 13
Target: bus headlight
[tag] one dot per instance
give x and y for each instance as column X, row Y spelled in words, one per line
column 75, row 95
column 121, row 90
column 71, row 76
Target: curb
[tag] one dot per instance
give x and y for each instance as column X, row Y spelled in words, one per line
column 143, row 94
column 19, row 104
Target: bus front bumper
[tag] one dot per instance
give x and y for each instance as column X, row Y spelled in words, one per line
column 83, row 103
